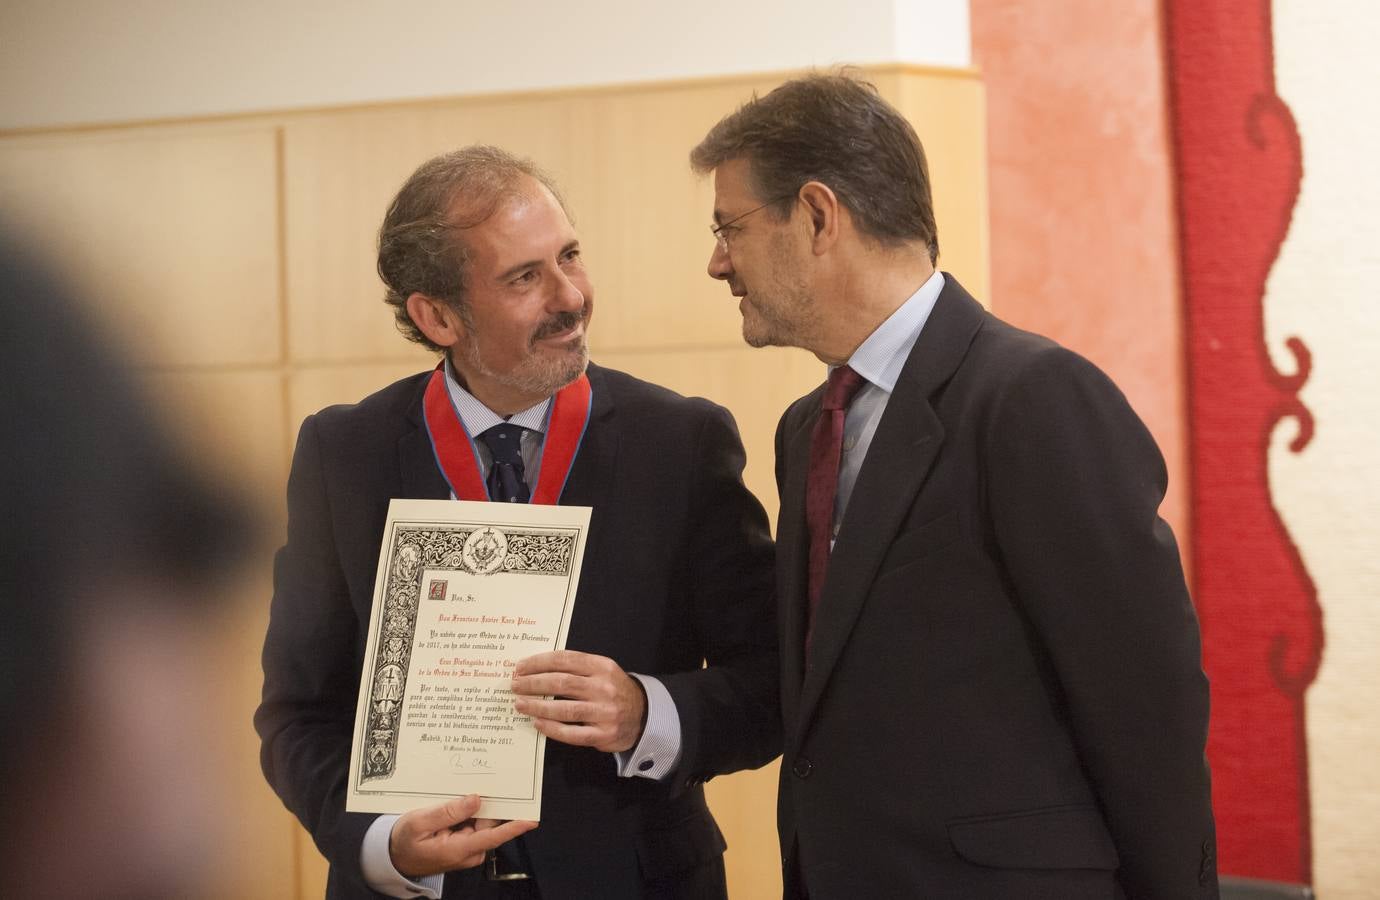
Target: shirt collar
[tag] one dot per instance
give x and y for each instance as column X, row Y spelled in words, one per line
column 478, row 418
column 881, row 357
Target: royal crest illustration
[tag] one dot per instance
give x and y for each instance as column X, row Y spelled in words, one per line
column 485, row 551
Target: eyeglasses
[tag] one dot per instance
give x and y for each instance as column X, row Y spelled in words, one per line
column 722, row 231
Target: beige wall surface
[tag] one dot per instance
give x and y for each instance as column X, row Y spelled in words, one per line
column 234, row 257
column 89, row 61
column 1084, row 239
column 1322, row 291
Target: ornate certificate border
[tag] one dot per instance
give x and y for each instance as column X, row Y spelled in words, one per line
column 414, row 549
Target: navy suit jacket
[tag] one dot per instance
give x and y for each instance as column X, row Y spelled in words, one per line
column 677, row 571
column 1004, row 697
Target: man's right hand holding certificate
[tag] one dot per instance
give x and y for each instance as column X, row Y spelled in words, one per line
column 446, row 837
column 596, row 705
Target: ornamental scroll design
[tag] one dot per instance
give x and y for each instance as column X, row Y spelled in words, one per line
column 474, row 549
column 1240, row 168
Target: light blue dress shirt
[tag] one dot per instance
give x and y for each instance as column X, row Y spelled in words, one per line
column 879, row 360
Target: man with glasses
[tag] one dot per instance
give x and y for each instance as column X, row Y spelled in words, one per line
column 991, row 679
column 483, row 266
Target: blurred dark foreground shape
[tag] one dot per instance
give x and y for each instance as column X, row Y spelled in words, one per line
column 114, row 552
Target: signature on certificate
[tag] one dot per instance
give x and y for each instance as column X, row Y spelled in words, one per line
column 469, row 761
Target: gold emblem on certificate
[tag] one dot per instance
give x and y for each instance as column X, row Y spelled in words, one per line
column 464, row 590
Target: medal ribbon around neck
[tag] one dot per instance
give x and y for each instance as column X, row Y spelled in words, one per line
column 566, row 422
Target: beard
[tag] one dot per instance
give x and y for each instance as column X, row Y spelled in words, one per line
column 784, row 314
column 764, row 325
column 543, row 371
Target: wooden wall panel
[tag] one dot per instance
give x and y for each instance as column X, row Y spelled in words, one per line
column 312, row 869
column 340, row 172
column 233, row 423
column 231, row 420
column 755, row 385
column 174, row 235
column 238, row 255
column 314, row 388
column 621, row 160
column 645, row 217
column 949, row 114
column 258, row 856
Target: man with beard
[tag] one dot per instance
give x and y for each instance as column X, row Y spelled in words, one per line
column 483, row 265
column 991, row 683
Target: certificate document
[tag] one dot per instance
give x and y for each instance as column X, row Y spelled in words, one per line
column 464, row 591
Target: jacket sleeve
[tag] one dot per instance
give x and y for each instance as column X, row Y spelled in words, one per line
column 1074, row 484
column 729, row 710
column 311, row 662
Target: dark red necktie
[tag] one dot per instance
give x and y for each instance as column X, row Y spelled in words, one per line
column 822, row 480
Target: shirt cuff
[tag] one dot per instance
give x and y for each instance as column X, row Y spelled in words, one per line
column 658, row 752
column 379, row 873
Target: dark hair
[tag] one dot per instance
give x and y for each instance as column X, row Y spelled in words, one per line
column 420, row 250
column 835, row 129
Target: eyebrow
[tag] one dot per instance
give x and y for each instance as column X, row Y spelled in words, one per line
column 522, row 266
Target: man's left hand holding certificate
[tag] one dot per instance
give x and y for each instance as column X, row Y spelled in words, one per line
column 465, row 591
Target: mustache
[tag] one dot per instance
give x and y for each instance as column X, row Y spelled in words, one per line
column 563, row 321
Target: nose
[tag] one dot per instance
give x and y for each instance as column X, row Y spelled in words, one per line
column 568, row 294
column 720, row 266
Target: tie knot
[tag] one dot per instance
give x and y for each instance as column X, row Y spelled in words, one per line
column 843, row 384
column 504, row 442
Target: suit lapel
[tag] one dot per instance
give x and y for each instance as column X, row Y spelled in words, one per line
column 594, row 463
column 793, row 549
column 903, row 450
column 421, row 477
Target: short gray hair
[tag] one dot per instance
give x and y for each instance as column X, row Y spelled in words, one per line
column 837, row 130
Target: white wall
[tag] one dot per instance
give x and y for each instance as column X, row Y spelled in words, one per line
column 90, row 61
column 1322, row 290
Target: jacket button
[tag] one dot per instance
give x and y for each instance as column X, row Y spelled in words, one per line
column 802, row 767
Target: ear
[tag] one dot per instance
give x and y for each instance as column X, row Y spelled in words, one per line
column 435, row 319
column 825, row 215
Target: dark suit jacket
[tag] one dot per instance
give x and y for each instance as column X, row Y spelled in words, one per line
column 1005, row 697
column 677, row 570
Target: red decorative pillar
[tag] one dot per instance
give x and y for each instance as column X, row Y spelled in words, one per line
column 1239, row 167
